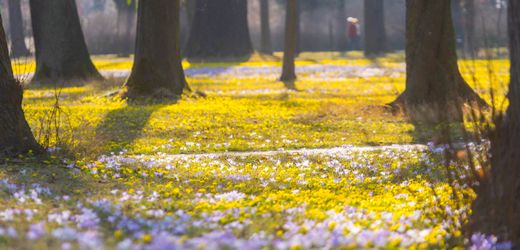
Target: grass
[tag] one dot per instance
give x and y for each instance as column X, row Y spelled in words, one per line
column 120, row 186
column 244, row 114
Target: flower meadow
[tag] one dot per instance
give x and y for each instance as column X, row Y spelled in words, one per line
column 381, row 198
column 251, row 166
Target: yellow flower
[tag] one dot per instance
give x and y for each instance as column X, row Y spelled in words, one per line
column 332, row 225
column 147, row 238
column 118, row 234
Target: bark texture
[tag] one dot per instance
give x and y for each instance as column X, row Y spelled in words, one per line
column 61, row 52
column 496, row 210
column 375, row 32
column 468, row 21
column 126, row 14
column 220, row 30
column 298, row 29
column 157, row 70
column 435, row 90
column 16, row 27
column 190, row 6
column 341, row 26
column 15, row 135
column 291, row 40
column 265, row 43
column 456, row 15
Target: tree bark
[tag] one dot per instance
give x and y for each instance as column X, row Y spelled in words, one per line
column 61, row 52
column 15, row 134
column 468, row 20
column 157, row 70
column 18, row 46
column 125, row 24
column 265, row 46
column 456, row 15
column 375, row 33
column 496, row 210
column 190, row 11
column 435, row 90
column 220, row 30
column 291, row 26
column 298, row 30
column 341, row 26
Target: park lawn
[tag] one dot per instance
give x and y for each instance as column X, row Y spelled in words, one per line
column 244, row 113
column 114, row 178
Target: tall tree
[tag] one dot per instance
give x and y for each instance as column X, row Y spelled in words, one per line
column 16, row 27
column 220, row 29
column 190, row 6
column 375, row 33
column 291, row 40
column 298, row 29
column 15, row 135
column 265, row 43
column 157, row 70
column 433, row 79
column 61, row 51
column 341, row 25
column 126, row 13
column 468, row 20
column 496, row 210
column 456, row 15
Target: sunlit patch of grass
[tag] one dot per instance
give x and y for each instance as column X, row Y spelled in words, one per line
column 245, row 114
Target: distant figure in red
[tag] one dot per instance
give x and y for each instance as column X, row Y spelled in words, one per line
column 354, row 34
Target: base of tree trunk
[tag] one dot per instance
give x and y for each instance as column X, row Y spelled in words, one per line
column 46, row 75
column 434, row 112
column 288, row 78
column 160, row 94
column 15, row 134
column 290, row 85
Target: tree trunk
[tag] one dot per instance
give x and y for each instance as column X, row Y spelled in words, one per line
column 190, row 11
column 265, row 46
column 291, row 26
column 468, row 17
column 157, row 70
column 125, row 25
column 130, row 25
column 456, row 15
column 61, row 52
column 496, row 210
column 375, row 33
column 15, row 135
column 435, row 90
column 18, row 46
column 341, row 26
column 220, row 30
column 298, row 30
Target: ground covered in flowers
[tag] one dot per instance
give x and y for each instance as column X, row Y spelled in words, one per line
column 253, row 165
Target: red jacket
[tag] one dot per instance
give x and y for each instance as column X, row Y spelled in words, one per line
column 352, row 30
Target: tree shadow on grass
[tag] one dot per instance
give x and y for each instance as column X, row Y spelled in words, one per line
column 444, row 133
column 122, row 127
column 54, row 174
column 431, row 125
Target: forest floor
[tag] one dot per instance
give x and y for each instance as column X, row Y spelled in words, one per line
column 322, row 164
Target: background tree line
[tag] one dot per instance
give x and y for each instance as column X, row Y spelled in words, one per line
column 322, row 23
